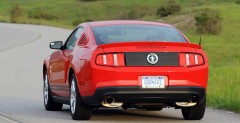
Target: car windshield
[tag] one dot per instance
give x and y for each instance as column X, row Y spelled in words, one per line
column 136, row 33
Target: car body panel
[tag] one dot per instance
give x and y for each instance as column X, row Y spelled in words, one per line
column 128, row 76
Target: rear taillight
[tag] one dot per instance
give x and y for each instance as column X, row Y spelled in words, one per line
column 111, row 59
column 190, row 59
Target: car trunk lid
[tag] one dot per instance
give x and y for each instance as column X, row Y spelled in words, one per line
column 137, row 53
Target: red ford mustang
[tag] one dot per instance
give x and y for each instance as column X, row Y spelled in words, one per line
column 128, row 64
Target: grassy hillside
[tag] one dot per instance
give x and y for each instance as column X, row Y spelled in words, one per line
column 222, row 49
column 70, row 11
column 224, row 57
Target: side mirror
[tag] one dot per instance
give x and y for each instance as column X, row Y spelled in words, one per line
column 56, row 45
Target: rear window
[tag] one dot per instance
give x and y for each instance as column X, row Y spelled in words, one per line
column 136, row 33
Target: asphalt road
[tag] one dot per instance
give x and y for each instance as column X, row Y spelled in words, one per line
column 22, row 50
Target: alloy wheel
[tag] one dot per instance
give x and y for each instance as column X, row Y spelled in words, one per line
column 73, row 97
column 46, row 90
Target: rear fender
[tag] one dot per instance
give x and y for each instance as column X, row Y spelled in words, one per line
column 46, row 64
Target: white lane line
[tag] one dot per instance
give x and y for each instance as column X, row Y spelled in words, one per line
column 32, row 41
column 10, row 119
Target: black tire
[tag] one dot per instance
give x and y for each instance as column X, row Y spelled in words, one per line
column 49, row 103
column 80, row 111
column 195, row 112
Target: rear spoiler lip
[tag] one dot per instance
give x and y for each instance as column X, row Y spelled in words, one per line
column 122, row 44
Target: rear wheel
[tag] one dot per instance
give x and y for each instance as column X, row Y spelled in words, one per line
column 49, row 103
column 195, row 112
column 79, row 110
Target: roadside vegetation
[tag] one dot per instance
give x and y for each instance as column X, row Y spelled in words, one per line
column 220, row 20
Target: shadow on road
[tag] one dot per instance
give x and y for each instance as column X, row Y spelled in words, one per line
column 20, row 107
column 127, row 115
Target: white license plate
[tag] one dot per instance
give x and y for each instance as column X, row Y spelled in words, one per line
column 153, row 82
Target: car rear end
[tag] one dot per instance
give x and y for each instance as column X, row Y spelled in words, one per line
column 122, row 72
column 147, row 74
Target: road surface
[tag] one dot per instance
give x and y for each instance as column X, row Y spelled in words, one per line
column 22, row 50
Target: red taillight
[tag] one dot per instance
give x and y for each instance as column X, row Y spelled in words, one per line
column 111, row 59
column 190, row 59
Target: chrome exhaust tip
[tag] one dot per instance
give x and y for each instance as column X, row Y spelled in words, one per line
column 109, row 102
column 192, row 102
column 185, row 104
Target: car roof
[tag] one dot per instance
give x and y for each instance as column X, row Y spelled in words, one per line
column 125, row 22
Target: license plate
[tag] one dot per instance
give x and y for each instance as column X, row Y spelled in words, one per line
column 153, row 82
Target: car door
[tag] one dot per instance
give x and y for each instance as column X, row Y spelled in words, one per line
column 59, row 62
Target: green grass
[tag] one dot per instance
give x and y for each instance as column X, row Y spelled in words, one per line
column 224, row 57
column 69, row 11
column 222, row 49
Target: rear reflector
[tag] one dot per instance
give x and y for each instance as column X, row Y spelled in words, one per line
column 190, row 59
column 111, row 59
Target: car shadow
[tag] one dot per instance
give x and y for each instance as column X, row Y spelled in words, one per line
column 118, row 114
column 35, row 109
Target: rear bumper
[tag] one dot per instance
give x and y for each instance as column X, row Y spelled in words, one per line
column 102, row 76
column 135, row 94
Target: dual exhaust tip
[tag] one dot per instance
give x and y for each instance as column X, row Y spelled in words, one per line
column 110, row 102
column 193, row 101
